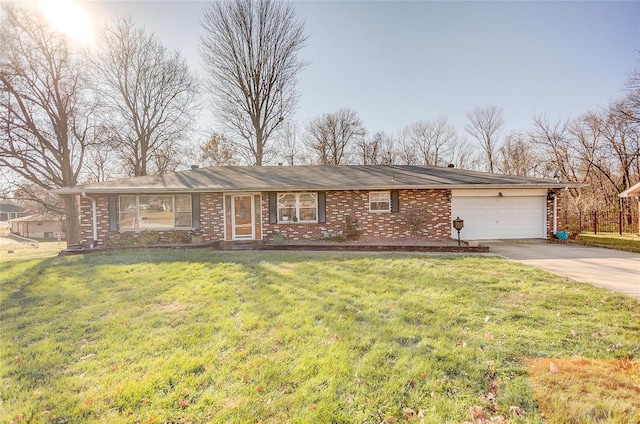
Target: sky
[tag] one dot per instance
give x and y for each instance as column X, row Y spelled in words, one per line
column 397, row 62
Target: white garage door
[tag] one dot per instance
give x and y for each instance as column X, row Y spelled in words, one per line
column 495, row 217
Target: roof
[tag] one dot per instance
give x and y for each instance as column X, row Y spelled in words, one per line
column 10, row 208
column 632, row 191
column 38, row 218
column 316, row 177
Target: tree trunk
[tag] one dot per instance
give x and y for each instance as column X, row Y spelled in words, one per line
column 73, row 221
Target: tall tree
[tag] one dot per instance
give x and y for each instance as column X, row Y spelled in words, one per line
column 485, row 125
column 432, row 140
column 380, row 149
column 218, row 151
column 250, row 48
column 149, row 94
column 331, row 136
column 517, row 156
column 289, row 146
column 44, row 112
column 630, row 106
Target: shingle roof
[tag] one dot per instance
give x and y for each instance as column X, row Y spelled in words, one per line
column 317, row 177
column 38, row 218
column 9, row 208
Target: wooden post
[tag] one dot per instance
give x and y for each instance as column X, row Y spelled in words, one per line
column 620, row 222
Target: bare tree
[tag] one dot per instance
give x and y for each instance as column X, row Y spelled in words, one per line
column 554, row 140
column 149, row 94
column 517, row 156
column 461, row 155
column 331, row 136
column 251, row 50
column 289, row 145
column 432, row 140
column 380, row 149
column 218, row 151
column 630, row 106
column 44, row 114
column 485, row 125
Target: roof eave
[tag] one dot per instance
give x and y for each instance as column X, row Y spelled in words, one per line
column 156, row 190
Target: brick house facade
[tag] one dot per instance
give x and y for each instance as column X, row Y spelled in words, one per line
column 372, row 202
column 422, row 214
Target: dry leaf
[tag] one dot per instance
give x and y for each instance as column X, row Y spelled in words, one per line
column 553, row 367
column 408, row 411
column 516, row 410
column 493, row 387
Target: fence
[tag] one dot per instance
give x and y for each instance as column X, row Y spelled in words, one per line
column 595, row 222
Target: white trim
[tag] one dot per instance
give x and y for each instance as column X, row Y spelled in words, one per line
column 234, row 236
column 506, row 192
column 297, row 195
column 388, row 193
column 634, row 190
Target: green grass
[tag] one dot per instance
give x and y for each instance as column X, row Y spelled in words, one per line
column 626, row 242
column 12, row 250
column 197, row 336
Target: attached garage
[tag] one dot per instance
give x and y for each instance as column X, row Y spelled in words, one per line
column 500, row 214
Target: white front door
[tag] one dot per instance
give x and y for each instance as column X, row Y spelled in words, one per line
column 242, row 216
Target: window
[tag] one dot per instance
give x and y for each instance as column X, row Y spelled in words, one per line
column 379, row 201
column 155, row 212
column 297, row 207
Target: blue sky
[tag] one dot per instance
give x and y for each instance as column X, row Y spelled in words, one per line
column 398, row 62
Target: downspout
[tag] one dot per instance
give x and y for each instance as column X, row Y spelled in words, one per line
column 94, row 218
column 555, row 214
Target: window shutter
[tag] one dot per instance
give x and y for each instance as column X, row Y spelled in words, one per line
column 195, row 210
column 395, row 201
column 273, row 208
column 322, row 207
column 113, row 213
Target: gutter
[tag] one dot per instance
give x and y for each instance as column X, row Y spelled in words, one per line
column 94, row 218
column 397, row 186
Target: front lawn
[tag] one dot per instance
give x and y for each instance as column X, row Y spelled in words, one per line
column 277, row 337
column 626, row 242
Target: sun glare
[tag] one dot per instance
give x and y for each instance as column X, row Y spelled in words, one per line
column 68, row 17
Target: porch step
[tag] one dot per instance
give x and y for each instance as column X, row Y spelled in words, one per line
column 240, row 245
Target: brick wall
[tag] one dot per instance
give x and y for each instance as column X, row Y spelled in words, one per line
column 559, row 217
column 211, row 225
column 423, row 213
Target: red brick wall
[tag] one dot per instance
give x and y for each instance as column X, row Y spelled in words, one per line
column 211, row 224
column 559, row 217
column 423, row 213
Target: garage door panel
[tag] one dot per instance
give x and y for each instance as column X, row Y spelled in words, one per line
column 500, row 217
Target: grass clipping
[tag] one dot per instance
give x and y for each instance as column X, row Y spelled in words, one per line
column 586, row 390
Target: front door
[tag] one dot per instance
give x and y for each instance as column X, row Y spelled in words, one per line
column 242, row 217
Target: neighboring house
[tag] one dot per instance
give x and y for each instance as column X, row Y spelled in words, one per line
column 312, row 202
column 633, row 192
column 44, row 226
column 9, row 211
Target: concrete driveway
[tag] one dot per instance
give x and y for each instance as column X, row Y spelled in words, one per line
column 611, row 269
